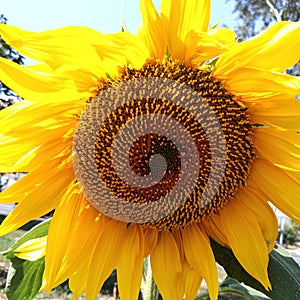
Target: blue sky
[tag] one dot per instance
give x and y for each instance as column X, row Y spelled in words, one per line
column 102, row 15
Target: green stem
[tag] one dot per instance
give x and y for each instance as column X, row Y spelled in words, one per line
column 150, row 291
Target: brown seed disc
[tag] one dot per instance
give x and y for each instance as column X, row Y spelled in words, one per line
column 233, row 122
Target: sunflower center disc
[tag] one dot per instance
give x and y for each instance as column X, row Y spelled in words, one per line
column 164, row 146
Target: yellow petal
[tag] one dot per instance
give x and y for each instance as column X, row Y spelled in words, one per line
column 121, row 49
column 130, row 265
column 264, row 213
column 256, row 85
column 29, row 158
column 279, row 187
column 14, row 158
column 200, row 256
column 78, row 281
column 271, row 106
column 88, row 229
column 12, row 33
column 212, row 227
column 279, row 122
column 35, row 200
column 166, row 267
column 177, row 235
column 272, row 50
column 61, row 230
column 192, row 281
column 201, row 46
column 67, row 45
column 285, row 153
column 85, row 83
column 37, row 112
column 179, row 18
column 190, row 277
column 28, row 161
column 33, row 249
column 105, row 257
column 31, row 85
column 57, row 118
column 281, row 114
column 246, row 240
column 150, row 237
column 151, row 31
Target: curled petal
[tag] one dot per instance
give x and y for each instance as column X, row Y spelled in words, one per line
column 33, row 249
column 201, row 46
column 45, row 46
column 179, row 18
column 273, row 50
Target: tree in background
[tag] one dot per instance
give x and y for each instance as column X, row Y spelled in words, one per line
column 7, row 96
column 291, row 234
column 253, row 16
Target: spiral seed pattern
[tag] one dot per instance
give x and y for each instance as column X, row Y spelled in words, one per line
column 141, row 152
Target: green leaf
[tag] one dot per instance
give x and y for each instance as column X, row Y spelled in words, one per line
column 231, row 286
column 37, row 231
column 284, row 272
column 24, row 279
column 235, row 287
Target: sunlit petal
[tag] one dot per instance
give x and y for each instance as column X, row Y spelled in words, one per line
column 272, row 50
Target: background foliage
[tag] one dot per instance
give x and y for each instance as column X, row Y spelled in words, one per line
column 291, row 233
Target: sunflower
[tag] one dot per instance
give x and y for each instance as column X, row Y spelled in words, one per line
column 149, row 145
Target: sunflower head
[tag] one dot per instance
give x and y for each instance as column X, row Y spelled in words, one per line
column 148, row 145
column 172, row 145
